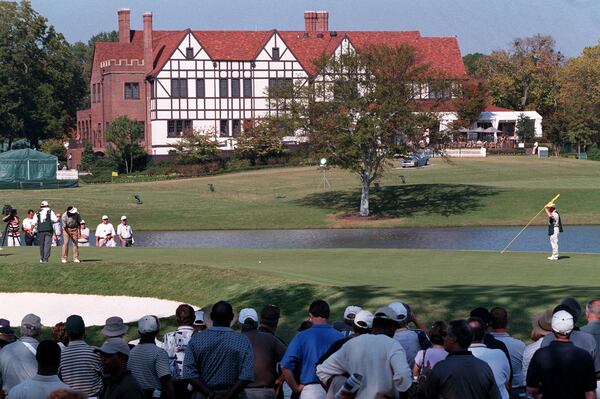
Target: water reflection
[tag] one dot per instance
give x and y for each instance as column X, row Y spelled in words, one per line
column 574, row 239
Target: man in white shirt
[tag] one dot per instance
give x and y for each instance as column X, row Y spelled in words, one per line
column 46, row 380
column 495, row 358
column 378, row 357
column 29, row 228
column 125, row 233
column 105, row 233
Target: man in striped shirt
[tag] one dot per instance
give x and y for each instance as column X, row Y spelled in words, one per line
column 149, row 364
column 80, row 367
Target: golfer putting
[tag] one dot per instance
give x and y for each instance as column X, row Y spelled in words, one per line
column 554, row 229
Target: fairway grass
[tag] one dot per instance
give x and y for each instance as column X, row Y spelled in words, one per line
column 437, row 284
column 495, row 191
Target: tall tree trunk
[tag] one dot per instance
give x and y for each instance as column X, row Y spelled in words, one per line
column 364, row 197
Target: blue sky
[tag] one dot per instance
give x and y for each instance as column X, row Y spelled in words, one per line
column 481, row 25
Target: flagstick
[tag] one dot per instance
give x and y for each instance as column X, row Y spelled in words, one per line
column 527, row 225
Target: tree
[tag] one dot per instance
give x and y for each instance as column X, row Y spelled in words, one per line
column 472, row 61
column 87, row 156
column 261, row 141
column 84, row 53
column 579, row 97
column 196, row 146
column 524, row 77
column 55, row 147
column 525, row 128
column 472, row 98
column 40, row 79
column 124, row 136
column 360, row 111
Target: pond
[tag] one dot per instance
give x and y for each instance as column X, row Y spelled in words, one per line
column 574, row 238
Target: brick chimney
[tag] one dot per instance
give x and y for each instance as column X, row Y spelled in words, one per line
column 124, row 25
column 310, row 21
column 148, row 40
column 322, row 21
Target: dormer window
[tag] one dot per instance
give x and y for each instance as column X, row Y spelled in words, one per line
column 189, row 53
column 275, row 53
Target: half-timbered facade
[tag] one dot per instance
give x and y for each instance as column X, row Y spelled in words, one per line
column 218, row 81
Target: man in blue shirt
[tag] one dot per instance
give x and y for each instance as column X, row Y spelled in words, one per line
column 219, row 361
column 304, row 352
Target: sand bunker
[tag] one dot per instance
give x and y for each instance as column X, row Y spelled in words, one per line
column 95, row 309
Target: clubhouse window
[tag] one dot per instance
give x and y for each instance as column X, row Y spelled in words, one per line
column 175, row 127
column 224, row 128
column 179, row 88
column 247, row 87
column 200, row 88
column 235, row 87
column 275, row 54
column 189, row 53
column 223, row 92
column 132, row 91
column 236, row 127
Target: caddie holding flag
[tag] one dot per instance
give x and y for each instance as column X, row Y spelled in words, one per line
column 554, row 228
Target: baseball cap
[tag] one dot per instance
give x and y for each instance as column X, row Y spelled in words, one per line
column 400, row 309
column 199, row 321
column 104, row 217
column 248, row 313
column 44, row 204
column 75, row 325
column 148, row 324
column 386, row 313
column 112, row 346
column 351, row 312
column 73, row 211
column 82, row 221
column 364, row 319
column 562, row 322
column 31, row 322
column 123, row 217
column 114, row 327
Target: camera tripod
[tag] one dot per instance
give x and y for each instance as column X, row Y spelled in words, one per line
column 5, row 235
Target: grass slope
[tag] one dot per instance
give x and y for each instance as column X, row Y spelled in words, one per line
column 460, row 192
column 438, row 284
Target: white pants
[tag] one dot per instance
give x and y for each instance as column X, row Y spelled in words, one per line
column 313, row 391
column 12, row 241
column 554, row 243
column 107, row 243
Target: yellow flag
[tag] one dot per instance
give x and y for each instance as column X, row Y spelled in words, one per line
column 115, row 174
column 552, row 200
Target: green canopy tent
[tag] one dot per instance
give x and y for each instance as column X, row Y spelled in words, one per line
column 30, row 169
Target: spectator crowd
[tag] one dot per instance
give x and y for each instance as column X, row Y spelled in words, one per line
column 47, row 228
column 388, row 353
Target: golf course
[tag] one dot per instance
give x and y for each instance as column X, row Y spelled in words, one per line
column 438, row 284
column 492, row 191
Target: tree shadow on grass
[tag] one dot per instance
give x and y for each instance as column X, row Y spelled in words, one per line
column 406, row 200
column 439, row 303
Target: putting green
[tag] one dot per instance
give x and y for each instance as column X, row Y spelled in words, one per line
column 438, row 284
column 458, row 192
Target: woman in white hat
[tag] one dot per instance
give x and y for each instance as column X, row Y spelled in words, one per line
column 84, row 235
column 70, row 221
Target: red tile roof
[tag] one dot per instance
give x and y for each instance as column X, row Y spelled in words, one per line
column 441, row 54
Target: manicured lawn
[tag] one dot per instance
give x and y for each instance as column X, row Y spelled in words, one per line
column 438, row 284
column 459, row 192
